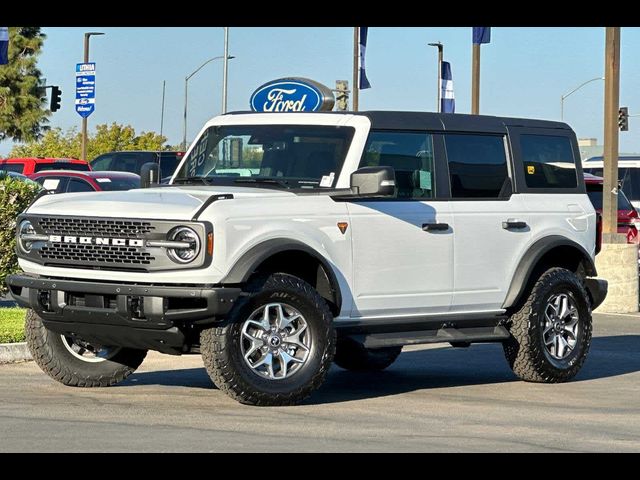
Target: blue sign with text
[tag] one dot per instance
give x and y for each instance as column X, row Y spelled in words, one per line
column 292, row 95
column 85, row 89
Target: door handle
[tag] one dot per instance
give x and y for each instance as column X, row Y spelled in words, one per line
column 433, row 227
column 514, row 225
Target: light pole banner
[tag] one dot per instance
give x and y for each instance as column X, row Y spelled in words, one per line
column 448, row 101
column 85, row 89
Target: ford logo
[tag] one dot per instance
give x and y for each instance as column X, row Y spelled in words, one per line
column 292, row 95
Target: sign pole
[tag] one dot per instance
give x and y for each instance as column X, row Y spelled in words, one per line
column 85, row 101
column 475, row 80
column 356, row 55
column 83, row 154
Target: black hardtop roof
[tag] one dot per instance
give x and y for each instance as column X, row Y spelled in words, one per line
column 405, row 120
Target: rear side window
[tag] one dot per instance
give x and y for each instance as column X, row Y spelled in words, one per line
column 77, row 185
column 629, row 180
column 131, row 161
column 12, row 167
column 80, row 167
column 102, row 163
column 168, row 164
column 411, row 156
column 548, row 161
column 595, row 195
column 477, row 165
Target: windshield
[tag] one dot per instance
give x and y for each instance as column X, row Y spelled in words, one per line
column 595, row 195
column 118, row 183
column 289, row 156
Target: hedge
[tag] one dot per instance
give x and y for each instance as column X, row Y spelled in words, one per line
column 15, row 197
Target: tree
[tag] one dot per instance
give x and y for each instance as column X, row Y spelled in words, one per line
column 23, row 112
column 107, row 138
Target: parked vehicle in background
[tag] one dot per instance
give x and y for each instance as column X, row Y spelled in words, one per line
column 30, row 165
column 61, row 181
column 18, row 176
column 132, row 161
column 628, row 174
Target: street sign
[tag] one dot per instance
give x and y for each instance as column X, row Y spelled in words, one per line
column 85, row 88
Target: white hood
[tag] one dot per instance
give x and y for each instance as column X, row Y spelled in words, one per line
column 178, row 203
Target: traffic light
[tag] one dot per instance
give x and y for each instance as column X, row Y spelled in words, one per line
column 56, row 93
column 623, row 119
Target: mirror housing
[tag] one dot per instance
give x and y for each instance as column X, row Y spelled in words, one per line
column 373, row 182
column 149, row 175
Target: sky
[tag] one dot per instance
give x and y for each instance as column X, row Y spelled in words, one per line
column 524, row 72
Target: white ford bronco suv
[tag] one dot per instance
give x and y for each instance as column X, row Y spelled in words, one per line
column 288, row 241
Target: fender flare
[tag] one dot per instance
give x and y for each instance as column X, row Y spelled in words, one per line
column 531, row 258
column 252, row 258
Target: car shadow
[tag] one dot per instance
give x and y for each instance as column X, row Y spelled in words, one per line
column 433, row 368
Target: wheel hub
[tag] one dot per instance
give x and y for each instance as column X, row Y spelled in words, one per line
column 560, row 325
column 275, row 342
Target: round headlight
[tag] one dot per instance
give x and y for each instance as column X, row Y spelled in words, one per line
column 186, row 235
column 25, row 228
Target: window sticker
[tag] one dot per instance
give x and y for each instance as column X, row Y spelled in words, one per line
column 531, row 169
column 327, row 180
column 51, row 183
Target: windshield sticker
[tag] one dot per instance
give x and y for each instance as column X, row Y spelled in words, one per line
column 103, row 180
column 51, row 183
column 327, row 180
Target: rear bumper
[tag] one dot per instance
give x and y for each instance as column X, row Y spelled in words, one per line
column 597, row 289
column 133, row 315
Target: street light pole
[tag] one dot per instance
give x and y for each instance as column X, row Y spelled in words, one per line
column 562, row 97
column 186, row 95
column 440, row 47
column 225, row 70
column 83, row 146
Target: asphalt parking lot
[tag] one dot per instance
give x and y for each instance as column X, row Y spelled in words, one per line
column 433, row 399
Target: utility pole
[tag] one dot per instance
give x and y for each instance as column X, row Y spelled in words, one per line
column 164, row 84
column 83, row 148
column 475, row 80
column 356, row 61
column 611, row 105
column 225, row 70
column 440, row 47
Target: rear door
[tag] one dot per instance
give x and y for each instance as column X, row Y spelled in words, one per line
column 491, row 225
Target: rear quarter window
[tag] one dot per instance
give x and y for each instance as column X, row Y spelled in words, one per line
column 548, row 161
column 79, row 167
column 12, row 167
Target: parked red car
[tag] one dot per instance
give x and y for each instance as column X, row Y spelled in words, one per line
column 628, row 218
column 64, row 181
column 30, row 165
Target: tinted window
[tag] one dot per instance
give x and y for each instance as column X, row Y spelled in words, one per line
column 76, row 185
column 131, row 161
column 55, row 184
column 629, row 179
column 118, row 183
column 477, row 165
column 12, row 167
column 595, row 195
column 411, row 156
column 548, row 161
column 102, row 163
column 81, row 167
column 168, row 164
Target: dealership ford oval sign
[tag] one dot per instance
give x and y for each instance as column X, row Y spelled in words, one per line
column 292, row 95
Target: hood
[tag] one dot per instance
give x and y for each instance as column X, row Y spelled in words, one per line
column 177, row 203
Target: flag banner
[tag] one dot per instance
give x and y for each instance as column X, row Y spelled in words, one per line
column 4, row 45
column 481, row 35
column 447, row 99
column 363, row 81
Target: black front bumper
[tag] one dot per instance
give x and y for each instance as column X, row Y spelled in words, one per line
column 129, row 315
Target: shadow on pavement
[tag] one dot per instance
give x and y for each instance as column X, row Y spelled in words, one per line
column 428, row 369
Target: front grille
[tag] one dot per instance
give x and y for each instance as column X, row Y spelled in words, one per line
column 95, row 227
column 95, row 254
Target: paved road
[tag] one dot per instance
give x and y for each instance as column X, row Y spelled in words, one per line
column 432, row 399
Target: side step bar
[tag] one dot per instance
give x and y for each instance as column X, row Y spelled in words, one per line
column 442, row 335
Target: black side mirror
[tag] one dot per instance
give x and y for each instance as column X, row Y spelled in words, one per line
column 149, row 175
column 373, row 182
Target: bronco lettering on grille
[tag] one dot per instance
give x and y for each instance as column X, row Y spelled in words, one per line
column 118, row 242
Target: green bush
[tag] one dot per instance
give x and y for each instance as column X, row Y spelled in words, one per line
column 15, row 197
column 12, row 325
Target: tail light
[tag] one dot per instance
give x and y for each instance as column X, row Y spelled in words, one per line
column 598, row 232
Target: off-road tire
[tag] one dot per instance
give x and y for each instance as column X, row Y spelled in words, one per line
column 222, row 357
column 525, row 350
column 55, row 360
column 352, row 355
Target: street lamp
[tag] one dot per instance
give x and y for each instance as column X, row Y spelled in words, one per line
column 573, row 91
column 186, row 95
column 440, row 47
column 83, row 146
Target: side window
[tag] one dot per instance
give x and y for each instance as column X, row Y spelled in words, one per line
column 77, row 185
column 12, row 167
column 102, row 163
column 548, row 161
column 411, row 156
column 55, row 184
column 477, row 165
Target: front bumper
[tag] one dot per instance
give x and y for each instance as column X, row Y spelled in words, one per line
column 597, row 289
column 131, row 315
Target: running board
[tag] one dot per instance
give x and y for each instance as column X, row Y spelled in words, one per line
column 442, row 335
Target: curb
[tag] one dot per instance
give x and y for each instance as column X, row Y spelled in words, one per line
column 14, row 352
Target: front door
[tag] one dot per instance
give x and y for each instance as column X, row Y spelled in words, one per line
column 403, row 246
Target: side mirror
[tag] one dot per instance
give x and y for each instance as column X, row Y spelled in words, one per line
column 373, row 182
column 149, row 175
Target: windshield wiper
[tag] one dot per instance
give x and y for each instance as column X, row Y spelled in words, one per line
column 269, row 181
column 203, row 180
